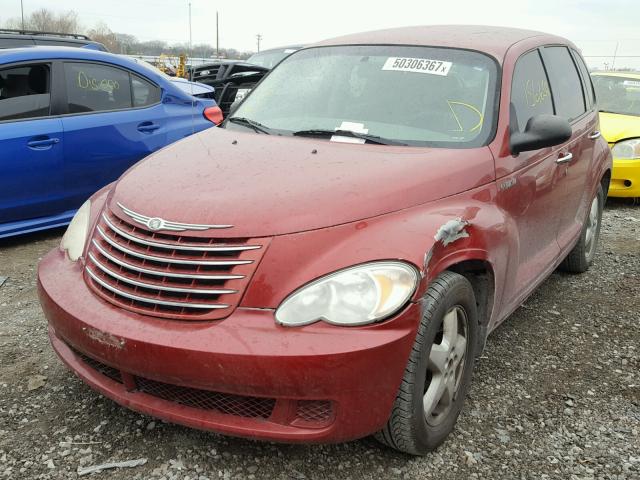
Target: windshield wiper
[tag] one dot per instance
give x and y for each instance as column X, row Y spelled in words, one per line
column 347, row 133
column 252, row 124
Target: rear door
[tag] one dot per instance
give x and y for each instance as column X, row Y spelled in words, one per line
column 571, row 103
column 114, row 119
column 31, row 176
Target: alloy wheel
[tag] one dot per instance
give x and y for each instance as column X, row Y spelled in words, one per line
column 445, row 368
column 591, row 232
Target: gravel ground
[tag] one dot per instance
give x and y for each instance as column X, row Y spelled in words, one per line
column 556, row 394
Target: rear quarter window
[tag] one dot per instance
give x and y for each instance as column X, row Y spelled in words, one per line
column 144, row 92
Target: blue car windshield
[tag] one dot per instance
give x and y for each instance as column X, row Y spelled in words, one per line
column 405, row 94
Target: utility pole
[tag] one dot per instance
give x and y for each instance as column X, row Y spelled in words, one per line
column 217, row 37
column 258, row 37
column 22, row 12
column 615, row 54
column 190, row 38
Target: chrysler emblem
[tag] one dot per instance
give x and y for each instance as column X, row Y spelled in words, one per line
column 155, row 223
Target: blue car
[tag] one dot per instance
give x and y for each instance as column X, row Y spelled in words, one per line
column 73, row 120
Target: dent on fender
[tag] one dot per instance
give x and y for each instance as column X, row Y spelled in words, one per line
column 449, row 232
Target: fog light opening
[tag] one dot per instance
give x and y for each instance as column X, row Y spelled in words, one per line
column 627, row 183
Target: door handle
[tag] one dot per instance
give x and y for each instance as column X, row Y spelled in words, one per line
column 595, row 135
column 565, row 158
column 148, row 127
column 42, row 143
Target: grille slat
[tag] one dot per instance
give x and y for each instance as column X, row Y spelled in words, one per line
column 148, row 271
column 218, row 291
column 184, row 247
column 140, row 270
column 167, row 259
column 153, row 301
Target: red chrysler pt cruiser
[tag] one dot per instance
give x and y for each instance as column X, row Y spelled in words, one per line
column 328, row 264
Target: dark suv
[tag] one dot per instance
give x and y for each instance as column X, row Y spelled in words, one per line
column 28, row 38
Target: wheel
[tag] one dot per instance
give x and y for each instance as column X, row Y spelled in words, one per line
column 581, row 257
column 439, row 369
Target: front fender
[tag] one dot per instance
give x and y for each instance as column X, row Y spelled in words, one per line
column 414, row 235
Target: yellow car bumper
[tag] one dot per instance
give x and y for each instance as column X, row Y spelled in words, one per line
column 625, row 178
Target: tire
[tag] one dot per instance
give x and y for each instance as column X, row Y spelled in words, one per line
column 581, row 257
column 410, row 428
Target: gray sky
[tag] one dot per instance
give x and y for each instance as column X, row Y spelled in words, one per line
column 594, row 25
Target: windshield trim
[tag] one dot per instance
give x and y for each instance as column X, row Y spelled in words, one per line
column 495, row 108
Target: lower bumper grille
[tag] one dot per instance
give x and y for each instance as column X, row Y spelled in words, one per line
column 308, row 413
column 240, row 406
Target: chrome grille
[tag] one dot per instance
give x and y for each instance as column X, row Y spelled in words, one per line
column 166, row 274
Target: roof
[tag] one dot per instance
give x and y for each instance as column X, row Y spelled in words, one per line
column 492, row 40
column 277, row 49
column 634, row 75
column 35, row 33
column 12, row 55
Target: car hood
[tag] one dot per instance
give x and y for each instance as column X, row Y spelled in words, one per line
column 191, row 88
column 267, row 185
column 616, row 127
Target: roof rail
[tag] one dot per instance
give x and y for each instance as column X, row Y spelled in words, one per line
column 75, row 36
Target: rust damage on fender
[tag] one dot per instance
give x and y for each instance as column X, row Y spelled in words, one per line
column 451, row 231
column 104, row 338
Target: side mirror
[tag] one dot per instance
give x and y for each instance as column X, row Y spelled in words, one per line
column 541, row 131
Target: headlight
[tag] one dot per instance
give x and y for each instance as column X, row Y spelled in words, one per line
column 358, row 295
column 627, row 149
column 75, row 237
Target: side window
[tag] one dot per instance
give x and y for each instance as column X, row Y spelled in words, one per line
column 590, row 92
column 144, row 93
column 95, row 88
column 25, row 92
column 530, row 94
column 565, row 82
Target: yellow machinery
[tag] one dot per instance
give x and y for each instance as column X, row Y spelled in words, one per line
column 165, row 63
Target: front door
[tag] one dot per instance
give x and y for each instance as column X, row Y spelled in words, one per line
column 528, row 185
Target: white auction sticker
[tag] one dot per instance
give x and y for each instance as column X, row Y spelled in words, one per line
column 631, row 83
column 417, row 65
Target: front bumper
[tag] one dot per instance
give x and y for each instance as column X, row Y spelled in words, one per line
column 625, row 178
column 243, row 376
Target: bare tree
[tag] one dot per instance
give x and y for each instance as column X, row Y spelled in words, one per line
column 103, row 34
column 45, row 20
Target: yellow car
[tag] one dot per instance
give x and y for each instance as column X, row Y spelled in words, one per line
column 618, row 95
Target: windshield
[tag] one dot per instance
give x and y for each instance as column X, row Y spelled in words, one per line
column 617, row 94
column 270, row 58
column 409, row 95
